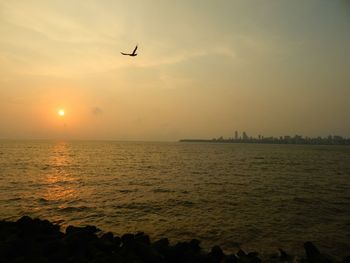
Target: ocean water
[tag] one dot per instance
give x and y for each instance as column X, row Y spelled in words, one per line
column 257, row 197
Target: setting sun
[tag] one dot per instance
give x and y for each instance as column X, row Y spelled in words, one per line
column 61, row 113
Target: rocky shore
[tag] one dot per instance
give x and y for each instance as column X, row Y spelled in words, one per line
column 35, row 240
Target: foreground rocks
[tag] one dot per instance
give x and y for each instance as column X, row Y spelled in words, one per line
column 35, row 240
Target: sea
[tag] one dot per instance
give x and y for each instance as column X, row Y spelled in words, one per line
column 251, row 196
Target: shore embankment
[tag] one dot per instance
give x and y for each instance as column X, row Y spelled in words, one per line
column 36, row 240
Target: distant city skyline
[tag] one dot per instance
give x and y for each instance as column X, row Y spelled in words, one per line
column 285, row 139
column 244, row 135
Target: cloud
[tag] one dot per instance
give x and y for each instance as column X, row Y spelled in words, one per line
column 96, row 111
column 58, row 21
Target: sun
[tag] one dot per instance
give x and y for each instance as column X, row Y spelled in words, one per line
column 61, row 113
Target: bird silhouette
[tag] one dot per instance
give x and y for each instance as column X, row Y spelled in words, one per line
column 133, row 54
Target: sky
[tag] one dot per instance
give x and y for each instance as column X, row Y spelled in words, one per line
column 204, row 68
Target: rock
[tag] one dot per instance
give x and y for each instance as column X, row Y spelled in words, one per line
column 142, row 238
column 346, row 259
column 253, row 254
column 117, row 241
column 314, row 255
column 251, row 257
column 146, row 253
column 162, row 246
column 231, row 259
column 284, row 257
column 311, row 250
column 241, row 254
column 127, row 239
column 182, row 248
column 182, row 252
column 24, row 220
column 107, row 237
column 216, row 254
column 90, row 230
column 106, row 243
column 35, row 227
column 194, row 245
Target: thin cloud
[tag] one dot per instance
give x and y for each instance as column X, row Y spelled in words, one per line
column 96, row 111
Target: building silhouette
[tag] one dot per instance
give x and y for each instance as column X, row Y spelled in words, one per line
column 245, row 136
column 286, row 139
column 236, row 135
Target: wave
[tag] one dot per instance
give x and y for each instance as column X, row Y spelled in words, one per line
column 70, row 209
column 162, row 190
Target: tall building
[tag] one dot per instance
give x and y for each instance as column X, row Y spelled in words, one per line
column 245, row 136
column 236, row 135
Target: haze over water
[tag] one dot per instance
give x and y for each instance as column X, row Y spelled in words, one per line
column 258, row 196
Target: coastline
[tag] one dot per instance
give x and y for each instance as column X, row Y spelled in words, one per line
column 36, row 240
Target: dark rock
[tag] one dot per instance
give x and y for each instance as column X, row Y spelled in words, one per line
column 253, row 254
column 162, row 245
column 29, row 227
column 346, row 259
column 127, row 239
column 314, row 255
column 182, row 252
column 117, row 241
column 146, row 253
column 311, row 250
column 283, row 255
column 241, row 253
column 106, row 243
column 194, row 245
column 142, row 238
column 251, row 257
column 217, row 252
column 107, row 237
column 90, row 230
column 231, row 259
column 24, row 220
column 82, row 243
column 182, row 248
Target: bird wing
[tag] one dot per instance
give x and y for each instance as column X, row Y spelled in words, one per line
column 125, row 54
column 134, row 50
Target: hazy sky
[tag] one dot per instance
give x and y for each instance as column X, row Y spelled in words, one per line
column 205, row 68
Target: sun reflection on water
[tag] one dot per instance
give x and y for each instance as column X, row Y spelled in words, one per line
column 61, row 183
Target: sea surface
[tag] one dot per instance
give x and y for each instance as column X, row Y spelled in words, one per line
column 257, row 197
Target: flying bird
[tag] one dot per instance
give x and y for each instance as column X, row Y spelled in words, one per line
column 133, row 54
